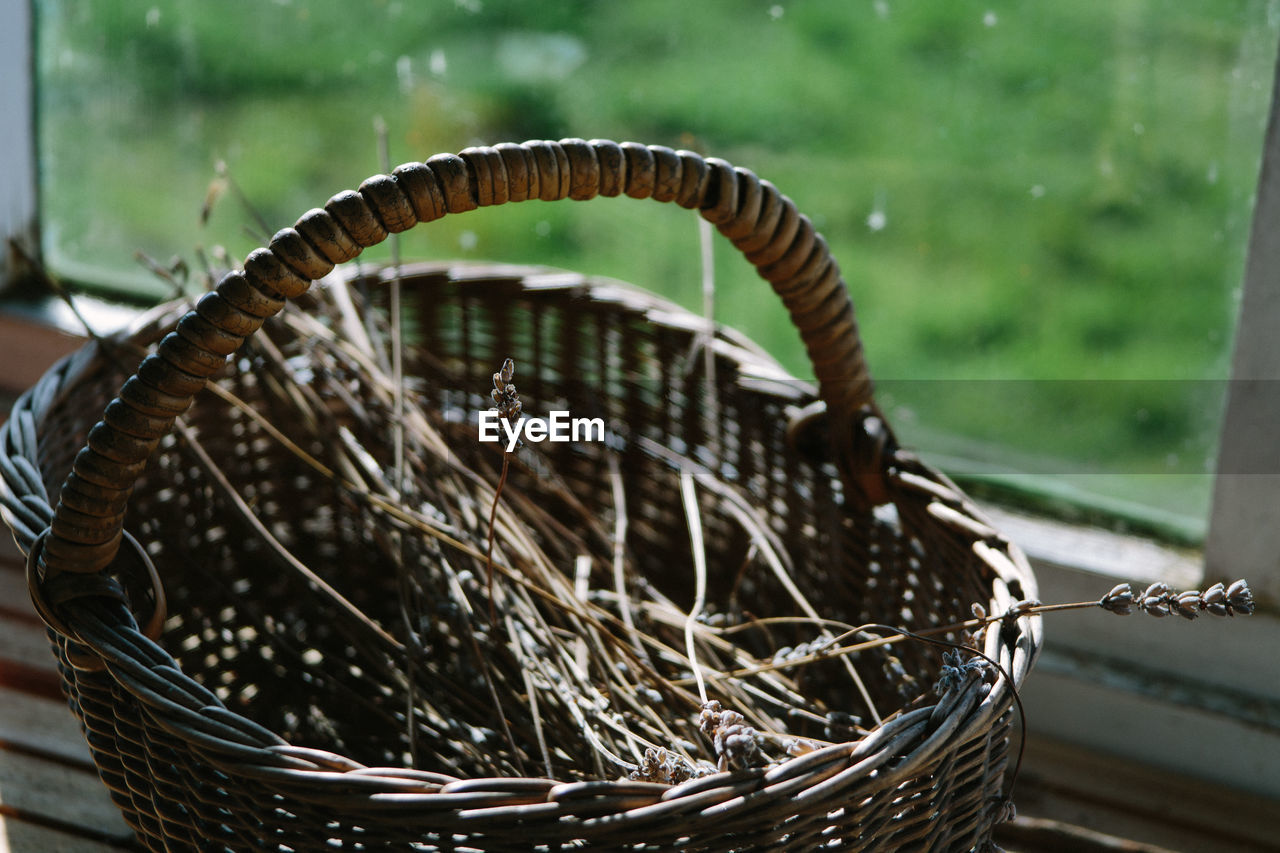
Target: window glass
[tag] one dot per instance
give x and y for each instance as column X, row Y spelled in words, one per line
column 1041, row 208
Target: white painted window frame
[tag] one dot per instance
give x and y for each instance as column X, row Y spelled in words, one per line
column 1244, row 526
column 19, row 207
column 1200, row 699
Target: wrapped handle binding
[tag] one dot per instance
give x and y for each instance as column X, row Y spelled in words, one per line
column 761, row 222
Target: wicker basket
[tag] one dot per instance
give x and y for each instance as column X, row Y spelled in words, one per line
column 207, row 742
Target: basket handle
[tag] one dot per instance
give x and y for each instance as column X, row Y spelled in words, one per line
column 761, row 222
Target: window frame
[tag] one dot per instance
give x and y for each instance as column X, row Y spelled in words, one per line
column 19, row 206
column 1244, row 536
column 1144, row 687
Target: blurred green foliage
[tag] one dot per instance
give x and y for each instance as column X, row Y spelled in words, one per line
column 1016, row 191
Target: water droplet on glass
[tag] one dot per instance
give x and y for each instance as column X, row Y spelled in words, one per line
column 776, row 12
column 990, row 19
column 468, row 240
column 877, row 219
column 1139, row 128
column 543, row 228
column 404, row 74
column 1037, row 191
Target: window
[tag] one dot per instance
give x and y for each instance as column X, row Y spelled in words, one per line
column 1042, row 211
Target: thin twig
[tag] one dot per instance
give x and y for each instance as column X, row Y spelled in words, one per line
column 619, row 552
column 400, row 480
column 700, row 574
column 712, row 406
column 488, row 551
column 532, row 692
column 263, row 233
column 55, row 286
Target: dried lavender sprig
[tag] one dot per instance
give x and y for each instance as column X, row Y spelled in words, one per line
column 509, row 408
column 1160, row 600
column 736, row 744
column 504, row 393
column 956, row 669
column 667, row 768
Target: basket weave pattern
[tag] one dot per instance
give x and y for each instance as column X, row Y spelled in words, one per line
column 246, row 722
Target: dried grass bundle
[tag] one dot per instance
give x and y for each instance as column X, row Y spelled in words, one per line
column 583, row 671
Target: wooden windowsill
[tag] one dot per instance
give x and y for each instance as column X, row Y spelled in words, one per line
column 27, row 348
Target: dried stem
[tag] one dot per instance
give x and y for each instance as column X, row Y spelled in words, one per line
column 1158, row 600
column 400, row 479
column 619, row 552
column 509, row 408
column 263, row 232
column 700, row 575
column 488, row 551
